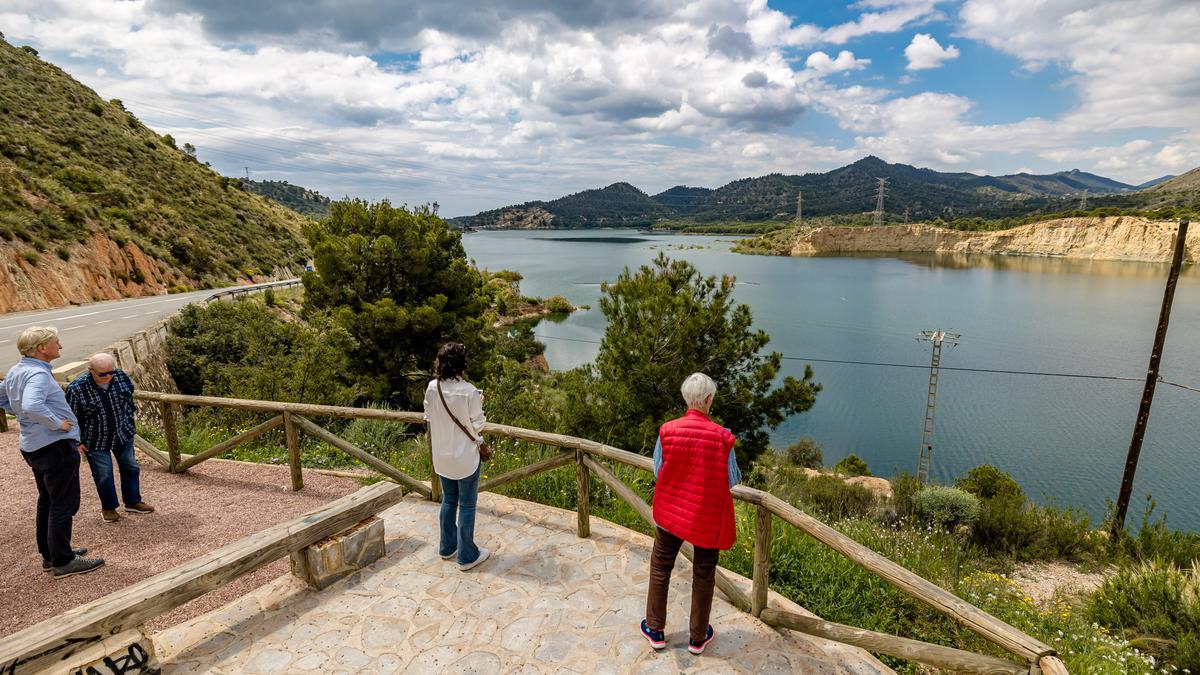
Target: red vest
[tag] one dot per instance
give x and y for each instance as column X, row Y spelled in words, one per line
column 691, row 498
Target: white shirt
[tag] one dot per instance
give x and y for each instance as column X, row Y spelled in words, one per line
column 454, row 455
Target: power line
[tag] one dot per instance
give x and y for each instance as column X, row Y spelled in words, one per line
column 999, row 371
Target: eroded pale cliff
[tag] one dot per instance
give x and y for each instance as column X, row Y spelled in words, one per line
column 1109, row 238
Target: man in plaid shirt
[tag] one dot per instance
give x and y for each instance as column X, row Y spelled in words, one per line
column 102, row 400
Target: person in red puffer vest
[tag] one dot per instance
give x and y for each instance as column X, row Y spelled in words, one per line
column 695, row 467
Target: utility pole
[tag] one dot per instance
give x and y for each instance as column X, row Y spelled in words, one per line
column 1083, row 201
column 800, row 208
column 938, row 338
column 879, row 200
column 1143, row 418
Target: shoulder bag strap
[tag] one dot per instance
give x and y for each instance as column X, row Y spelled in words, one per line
column 451, row 414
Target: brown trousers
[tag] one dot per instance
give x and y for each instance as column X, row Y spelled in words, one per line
column 704, row 574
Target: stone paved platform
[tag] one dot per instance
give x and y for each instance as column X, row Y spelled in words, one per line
column 547, row 602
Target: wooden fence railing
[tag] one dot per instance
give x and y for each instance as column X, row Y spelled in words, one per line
column 1033, row 655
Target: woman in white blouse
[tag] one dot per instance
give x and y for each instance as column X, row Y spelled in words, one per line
column 448, row 398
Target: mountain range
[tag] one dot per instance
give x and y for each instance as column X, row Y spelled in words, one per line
column 915, row 193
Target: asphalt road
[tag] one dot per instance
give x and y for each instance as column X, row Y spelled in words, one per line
column 86, row 329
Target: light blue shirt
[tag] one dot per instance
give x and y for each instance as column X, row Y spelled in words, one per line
column 735, row 474
column 30, row 392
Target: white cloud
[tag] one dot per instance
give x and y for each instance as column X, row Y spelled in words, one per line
column 476, row 104
column 924, row 52
column 823, row 64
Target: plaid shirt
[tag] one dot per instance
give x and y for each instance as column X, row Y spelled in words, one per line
column 92, row 404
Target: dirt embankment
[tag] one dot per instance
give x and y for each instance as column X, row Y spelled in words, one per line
column 1109, row 238
column 95, row 270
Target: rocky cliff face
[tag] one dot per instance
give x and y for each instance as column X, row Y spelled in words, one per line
column 96, row 270
column 1109, row 238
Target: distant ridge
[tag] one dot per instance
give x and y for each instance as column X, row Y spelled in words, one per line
column 922, row 194
column 299, row 199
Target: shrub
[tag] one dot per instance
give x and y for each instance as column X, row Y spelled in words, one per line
column 835, row 498
column 557, row 304
column 1159, row 605
column 904, row 486
column 986, row 481
column 31, row 257
column 805, row 453
column 852, row 465
column 1157, row 542
column 269, row 297
column 96, row 109
column 63, row 253
column 946, row 507
column 179, row 288
column 138, row 276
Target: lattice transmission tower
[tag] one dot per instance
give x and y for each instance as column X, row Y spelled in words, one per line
column 938, row 338
column 880, row 192
column 799, row 208
column 1083, row 201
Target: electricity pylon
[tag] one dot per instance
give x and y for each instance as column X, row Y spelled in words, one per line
column 879, row 200
column 938, row 338
column 799, row 208
column 1083, row 201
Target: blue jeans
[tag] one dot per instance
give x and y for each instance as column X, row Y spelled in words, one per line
column 100, row 460
column 459, row 495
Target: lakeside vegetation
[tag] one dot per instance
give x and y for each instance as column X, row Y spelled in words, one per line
column 964, row 537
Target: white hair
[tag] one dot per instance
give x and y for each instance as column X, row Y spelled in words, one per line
column 697, row 388
column 35, row 336
column 101, row 361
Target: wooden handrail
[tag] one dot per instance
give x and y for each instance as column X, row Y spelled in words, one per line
column 229, row 444
column 954, row 660
column 43, row 645
column 1029, row 649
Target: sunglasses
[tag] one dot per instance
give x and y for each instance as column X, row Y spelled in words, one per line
column 107, row 373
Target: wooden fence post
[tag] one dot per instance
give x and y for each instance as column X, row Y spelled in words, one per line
column 293, row 449
column 762, row 561
column 167, row 412
column 3, row 421
column 435, row 484
column 584, row 510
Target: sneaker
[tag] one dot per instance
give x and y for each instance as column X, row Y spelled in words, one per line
column 78, row 566
column 484, row 554
column 656, row 637
column 698, row 647
column 110, row 515
column 140, row 507
column 449, row 555
column 47, row 567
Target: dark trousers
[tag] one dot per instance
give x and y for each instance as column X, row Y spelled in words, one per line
column 704, row 575
column 56, row 471
column 100, row 460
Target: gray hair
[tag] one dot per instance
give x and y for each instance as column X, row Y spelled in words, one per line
column 34, row 337
column 696, row 388
column 98, row 361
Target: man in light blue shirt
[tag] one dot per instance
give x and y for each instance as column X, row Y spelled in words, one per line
column 49, row 437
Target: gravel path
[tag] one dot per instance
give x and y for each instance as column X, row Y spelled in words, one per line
column 213, row 504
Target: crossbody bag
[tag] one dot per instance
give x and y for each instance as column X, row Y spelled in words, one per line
column 485, row 448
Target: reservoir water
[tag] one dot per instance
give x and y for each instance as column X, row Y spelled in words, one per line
column 1063, row 439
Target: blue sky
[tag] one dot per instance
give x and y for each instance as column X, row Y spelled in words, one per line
column 477, row 104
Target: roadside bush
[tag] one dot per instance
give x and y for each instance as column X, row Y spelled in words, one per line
column 805, row 452
column 852, row 465
column 1010, row 525
column 1157, row 606
column 835, row 498
column 986, row 481
column 946, row 507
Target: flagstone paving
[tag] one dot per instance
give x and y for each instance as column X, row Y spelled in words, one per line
column 547, row 601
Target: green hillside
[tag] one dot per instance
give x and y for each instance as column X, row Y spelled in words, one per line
column 299, row 199
column 73, row 166
column 919, row 194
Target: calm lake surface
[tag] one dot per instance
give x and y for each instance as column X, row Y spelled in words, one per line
column 1063, row 439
